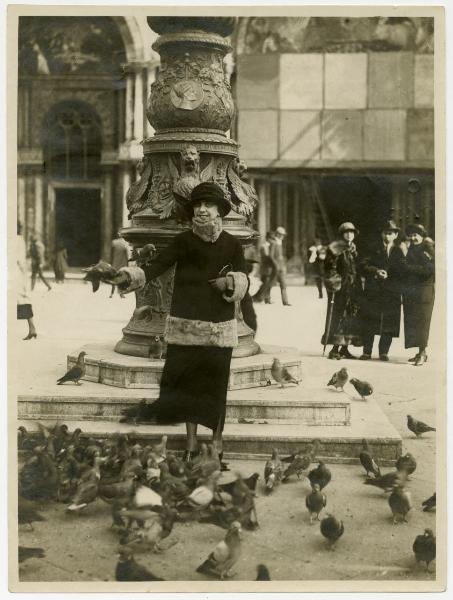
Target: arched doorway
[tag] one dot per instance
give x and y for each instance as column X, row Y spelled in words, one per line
column 72, row 144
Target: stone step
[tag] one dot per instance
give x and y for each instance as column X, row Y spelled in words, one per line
column 104, row 365
column 337, row 444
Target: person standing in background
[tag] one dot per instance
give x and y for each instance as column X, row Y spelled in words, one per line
column 60, row 263
column 316, row 261
column 119, row 257
column 277, row 255
column 268, row 271
column 24, row 307
column 37, row 255
column 383, row 269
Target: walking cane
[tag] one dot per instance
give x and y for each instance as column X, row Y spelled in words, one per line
column 329, row 322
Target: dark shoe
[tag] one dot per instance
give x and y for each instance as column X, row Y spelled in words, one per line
column 421, row 358
column 189, row 455
column 414, row 358
column 344, row 353
column 383, row 357
column 334, row 355
column 365, row 356
column 30, row 336
column 287, row 304
column 223, row 466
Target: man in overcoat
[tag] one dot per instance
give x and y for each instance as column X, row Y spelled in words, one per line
column 383, row 269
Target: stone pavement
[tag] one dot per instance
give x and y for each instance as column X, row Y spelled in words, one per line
column 372, row 548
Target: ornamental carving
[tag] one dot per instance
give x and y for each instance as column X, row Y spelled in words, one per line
column 191, row 90
column 136, row 197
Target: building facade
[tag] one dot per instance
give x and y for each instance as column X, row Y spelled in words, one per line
column 335, row 120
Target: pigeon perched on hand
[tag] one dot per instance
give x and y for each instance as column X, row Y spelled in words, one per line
column 128, row 569
column 332, row 529
column 315, row 502
column 400, row 504
column 262, row 573
column 367, row 461
column 424, row 547
column 406, row 463
column 273, row 471
column 321, row 476
column 429, row 503
column 418, row 427
column 339, row 379
column 363, row 388
column 25, row 553
column 101, row 271
column 76, row 372
column 281, row 374
column 225, row 554
column 388, row 481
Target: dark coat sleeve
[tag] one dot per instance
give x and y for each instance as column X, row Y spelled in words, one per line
column 164, row 260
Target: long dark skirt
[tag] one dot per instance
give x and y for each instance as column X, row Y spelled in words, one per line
column 417, row 321
column 193, row 387
column 345, row 326
column 24, row 311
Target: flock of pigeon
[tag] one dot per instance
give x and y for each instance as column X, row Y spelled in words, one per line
column 149, row 489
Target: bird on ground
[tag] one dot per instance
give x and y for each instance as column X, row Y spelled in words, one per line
column 24, row 440
column 38, row 478
column 88, row 487
column 300, row 461
column 418, row 427
column 273, row 471
column 367, row 461
column 159, row 451
column 27, row 512
column 25, row 553
column 424, row 547
column 400, row 504
column 406, row 463
column 101, row 271
column 128, row 569
column 429, row 503
column 387, row 481
column 281, row 374
column 363, row 388
column 237, row 486
column 207, row 463
column 339, row 379
column 315, row 502
column 152, row 531
column 321, row 475
column 225, row 555
column 332, row 529
column 262, row 573
column 76, row 373
column 202, row 495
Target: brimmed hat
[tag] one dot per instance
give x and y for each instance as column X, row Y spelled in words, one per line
column 347, row 227
column 208, row 191
column 390, row 226
column 281, row 230
column 416, row 228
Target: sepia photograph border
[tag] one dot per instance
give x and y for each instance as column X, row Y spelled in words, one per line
column 438, row 328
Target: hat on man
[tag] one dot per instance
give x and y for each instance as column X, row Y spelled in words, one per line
column 347, row 227
column 208, row 191
column 416, row 228
column 390, row 225
column 281, row 230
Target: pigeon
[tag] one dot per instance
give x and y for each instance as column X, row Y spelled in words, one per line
column 101, row 271
column 225, row 554
column 152, row 530
column 367, row 461
column 281, row 374
column 27, row 513
column 38, row 478
column 429, row 503
column 273, row 471
column 424, row 547
column 315, row 502
column 24, row 441
column 332, row 529
column 339, row 379
column 262, row 573
column 400, row 504
column 362, row 387
column 88, row 487
column 202, row 495
column 406, row 463
column 128, row 569
column 25, row 553
column 418, row 427
column 387, row 481
column 234, row 487
column 300, row 463
column 76, row 372
column 321, row 475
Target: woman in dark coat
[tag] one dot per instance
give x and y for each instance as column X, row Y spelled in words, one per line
column 201, row 329
column 344, row 290
column 418, row 294
column 60, row 263
column 383, row 269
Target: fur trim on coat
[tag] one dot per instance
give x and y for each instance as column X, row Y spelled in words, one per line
column 191, row 332
column 136, row 279
column 239, row 287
